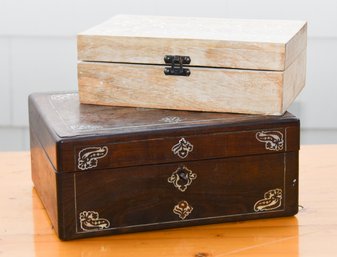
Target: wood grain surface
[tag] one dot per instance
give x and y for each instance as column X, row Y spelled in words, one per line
column 25, row 229
column 123, row 178
column 206, row 89
column 219, row 90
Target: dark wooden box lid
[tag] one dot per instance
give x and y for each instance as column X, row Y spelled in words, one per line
column 71, row 132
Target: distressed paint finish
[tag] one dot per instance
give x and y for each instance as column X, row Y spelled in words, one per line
column 241, row 66
column 246, row 44
column 220, row 90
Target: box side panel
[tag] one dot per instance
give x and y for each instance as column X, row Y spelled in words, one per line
column 66, row 205
column 44, row 179
column 292, row 182
column 296, row 46
column 215, row 90
column 294, row 80
column 158, row 196
column 38, row 126
column 292, row 135
column 211, row 53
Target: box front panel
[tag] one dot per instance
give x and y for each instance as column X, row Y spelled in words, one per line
column 180, row 194
column 205, row 89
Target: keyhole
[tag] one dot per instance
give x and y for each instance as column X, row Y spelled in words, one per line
column 183, row 175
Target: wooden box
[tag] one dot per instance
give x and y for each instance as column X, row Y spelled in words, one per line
column 105, row 170
column 241, row 66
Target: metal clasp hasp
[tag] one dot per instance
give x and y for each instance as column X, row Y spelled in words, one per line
column 177, row 68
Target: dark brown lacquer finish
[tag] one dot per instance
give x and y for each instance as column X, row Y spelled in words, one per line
column 106, row 170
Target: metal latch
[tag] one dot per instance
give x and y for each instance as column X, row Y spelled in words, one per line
column 177, row 62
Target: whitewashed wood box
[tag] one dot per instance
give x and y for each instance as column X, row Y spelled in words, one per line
column 201, row 64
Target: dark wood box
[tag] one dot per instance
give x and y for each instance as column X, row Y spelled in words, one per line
column 106, row 170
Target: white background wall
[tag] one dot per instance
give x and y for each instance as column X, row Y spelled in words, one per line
column 38, row 52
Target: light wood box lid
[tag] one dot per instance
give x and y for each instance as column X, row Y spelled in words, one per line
column 228, row 43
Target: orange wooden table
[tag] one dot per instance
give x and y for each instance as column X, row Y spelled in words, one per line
column 25, row 229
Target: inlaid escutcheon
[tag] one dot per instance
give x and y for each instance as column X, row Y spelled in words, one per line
column 181, row 178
